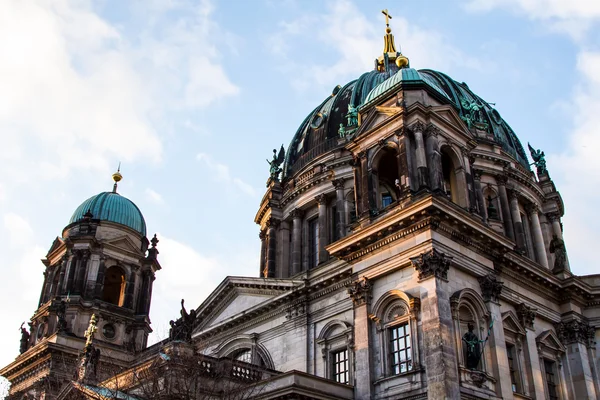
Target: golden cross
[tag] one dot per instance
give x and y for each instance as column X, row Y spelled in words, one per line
column 387, row 17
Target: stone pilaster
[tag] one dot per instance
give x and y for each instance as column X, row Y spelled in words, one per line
column 130, row 288
column 360, row 293
column 272, row 225
column 578, row 336
column 322, row 205
column 422, row 171
column 526, row 315
column 339, row 207
column 479, row 194
column 364, row 184
column 506, row 216
column 99, row 288
column 517, row 222
column 296, row 241
column 440, row 356
column 283, row 256
column 434, row 157
column 262, row 235
column 538, row 237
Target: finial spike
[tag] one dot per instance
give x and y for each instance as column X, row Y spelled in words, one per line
column 117, row 178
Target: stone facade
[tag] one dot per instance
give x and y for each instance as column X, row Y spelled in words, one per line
column 411, row 258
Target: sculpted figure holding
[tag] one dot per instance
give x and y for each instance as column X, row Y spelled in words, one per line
column 473, row 350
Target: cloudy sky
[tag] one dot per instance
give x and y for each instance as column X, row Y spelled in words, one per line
column 192, row 95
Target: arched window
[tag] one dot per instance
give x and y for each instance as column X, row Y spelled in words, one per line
column 396, row 322
column 387, row 176
column 454, row 183
column 335, row 341
column 244, row 355
column 114, row 286
column 449, row 186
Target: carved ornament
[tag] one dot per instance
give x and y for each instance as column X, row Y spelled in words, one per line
column 526, row 315
column 360, row 291
column 417, row 127
column 338, row 183
column 576, row 332
column 297, row 213
column 432, row 263
column 491, row 287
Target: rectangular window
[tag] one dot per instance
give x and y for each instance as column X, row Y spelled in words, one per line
column 512, row 367
column 340, row 367
column 400, row 349
column 313, row 242
column 551, row 381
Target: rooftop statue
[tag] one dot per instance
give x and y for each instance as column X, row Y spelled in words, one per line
column 539, row 159
column 352, row 115
column 557, row 247
column 342, row 131
column 183, row 327
column 473, row 115
column 275, row 169
column 24, row 339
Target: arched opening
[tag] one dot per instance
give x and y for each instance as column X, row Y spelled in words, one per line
column 492, row 204
column 454, row 183
column 114, row 286
column 388, row 178
column 449, row 186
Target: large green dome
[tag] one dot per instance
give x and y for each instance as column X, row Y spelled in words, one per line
column 111, row 206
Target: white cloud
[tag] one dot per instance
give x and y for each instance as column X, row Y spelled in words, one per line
column 222, row 174
column 154, row 197
column 573, row 17
column 186, row 274
column 577, row 169
column 358, row 41
column 19, row 231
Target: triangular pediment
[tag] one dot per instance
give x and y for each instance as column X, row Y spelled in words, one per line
column 512, row 324
column 124, row 243
column 237, row 296
column 377, row 117
column 56, row 244
column 451, row 118
column 550, row 340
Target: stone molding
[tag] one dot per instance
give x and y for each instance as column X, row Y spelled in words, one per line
column 432, row 263
column 576, row 332
column 526, row 315
column 491, row 287
column 360, row 292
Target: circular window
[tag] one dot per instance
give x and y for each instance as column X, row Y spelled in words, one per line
column 41, row 331
column 317, row 120
column 108, row 330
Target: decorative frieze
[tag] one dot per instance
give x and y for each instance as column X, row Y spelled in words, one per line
column 576, row 332
column 526, row 315
column 491, row 287
column 432, row 263
column 360, row 291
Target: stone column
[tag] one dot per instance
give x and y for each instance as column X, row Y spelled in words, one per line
column 557, row 245
column 283, row 257
column 490, row 291
column 357, row 176
column 81, row 273
column 434, row 157
column 364, row 184
column 517, row 222
column 129, row 289
column 296, row 241
column 45, row 286
column 360, row 293
column 100, row 278
column 554, row 219
column 506, row 217
column 61, row 276
column 339, row 207
column 322, row 203
column 263, row 252
column 577, row 336
column 440, row 362
column 149, row 296
column 479, row 194
column 538, row 237
column 272, row 225
column 422, row 170
column 141, row 304
column 71, row 274
column 533, row 367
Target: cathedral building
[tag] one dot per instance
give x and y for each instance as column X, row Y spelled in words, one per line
column 408, row 251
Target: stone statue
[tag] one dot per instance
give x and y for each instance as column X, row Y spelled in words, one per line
column 352, row 116
column 473, row 351
column 62, row 316
column 24, row 339
column 557, row 247
column 491, row 209
column 183, row 327
column 275, row 169
column 539, row 159
column 473, row 115
column 342, row 131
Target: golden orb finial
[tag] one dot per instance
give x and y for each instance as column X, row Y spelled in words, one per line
column 117, row 178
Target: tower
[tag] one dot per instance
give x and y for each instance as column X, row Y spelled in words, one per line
column 102, row 265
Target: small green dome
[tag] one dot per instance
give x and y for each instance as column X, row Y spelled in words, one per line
column 111, row 206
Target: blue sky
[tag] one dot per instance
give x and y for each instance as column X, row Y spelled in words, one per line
column 192, row 96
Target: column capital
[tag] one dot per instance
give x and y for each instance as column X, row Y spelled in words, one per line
column 532, row 208
column 514, row 194
column 297, row 213
column 432, row 263
column 321, row 199
column 477, row 174
column 553, row 216
column 576, row 331
column 491, row 287
column 262, row 235
column 362, row 155
column 338, row 183
column 360, row 291
column 431, row 130
column 417, row 127
column 526, row 315
column 501, row 179
column 273, row 222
